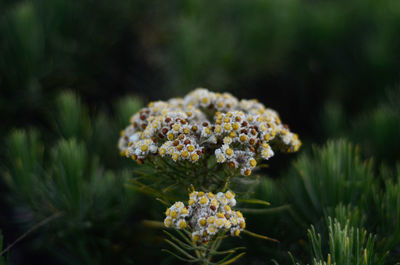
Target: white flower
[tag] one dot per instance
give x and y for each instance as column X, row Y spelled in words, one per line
column 235, row 131
column 205, row 216
column 168, row 221
column 220, row 156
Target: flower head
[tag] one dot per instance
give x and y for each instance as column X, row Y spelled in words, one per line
column 239, row 133
column 206, row 215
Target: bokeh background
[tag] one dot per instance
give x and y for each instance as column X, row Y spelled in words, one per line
column 330, row 68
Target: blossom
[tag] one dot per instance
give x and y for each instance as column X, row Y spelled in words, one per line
column 239, row 133
column 206, row 215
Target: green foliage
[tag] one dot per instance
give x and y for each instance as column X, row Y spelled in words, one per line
column 329, row 176
column 385, row 215
column 160, row 174
column 72, row 117
column 63, row 182
column 25, row 155
column 70, row 170
column 350, row 215
column 73, row 186
column 345, row 245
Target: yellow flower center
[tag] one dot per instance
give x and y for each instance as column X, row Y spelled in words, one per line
column 174, row 214
column 170, row 136
column 203, row 200
column 144, row 148
column 182, row 224
column 195, row 157
column 227, row 126
column 190, row 148
column 196, row 237
column 229, row 151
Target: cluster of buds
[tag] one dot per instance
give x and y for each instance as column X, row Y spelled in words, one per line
column 206, row 215
column 238, row 133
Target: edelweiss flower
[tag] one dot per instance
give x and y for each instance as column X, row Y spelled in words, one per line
column 239, row 133
column 206, row 215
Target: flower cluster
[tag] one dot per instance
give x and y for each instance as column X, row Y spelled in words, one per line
column 206, row 215
column 238, row 133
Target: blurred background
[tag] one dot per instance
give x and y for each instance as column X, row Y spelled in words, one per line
column 71, row 73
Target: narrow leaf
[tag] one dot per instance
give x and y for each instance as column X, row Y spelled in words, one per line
column 179, row 249
column 266, row 211
column 177, row 256
column 178, row 241
column 260, row 236
column 153, row 224
column 254, row 201
column 232, row 260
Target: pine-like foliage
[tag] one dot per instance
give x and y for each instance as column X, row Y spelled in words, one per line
column 333, row 182
column 385, row 213
column 60, row 184
column 345, row 245
column 331, row 175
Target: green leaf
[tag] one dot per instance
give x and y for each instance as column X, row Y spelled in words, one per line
column 254, row 201
column 260, row 236
column 232, row 260
column 266, row 211
column 178, row 257
column 180, row 249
